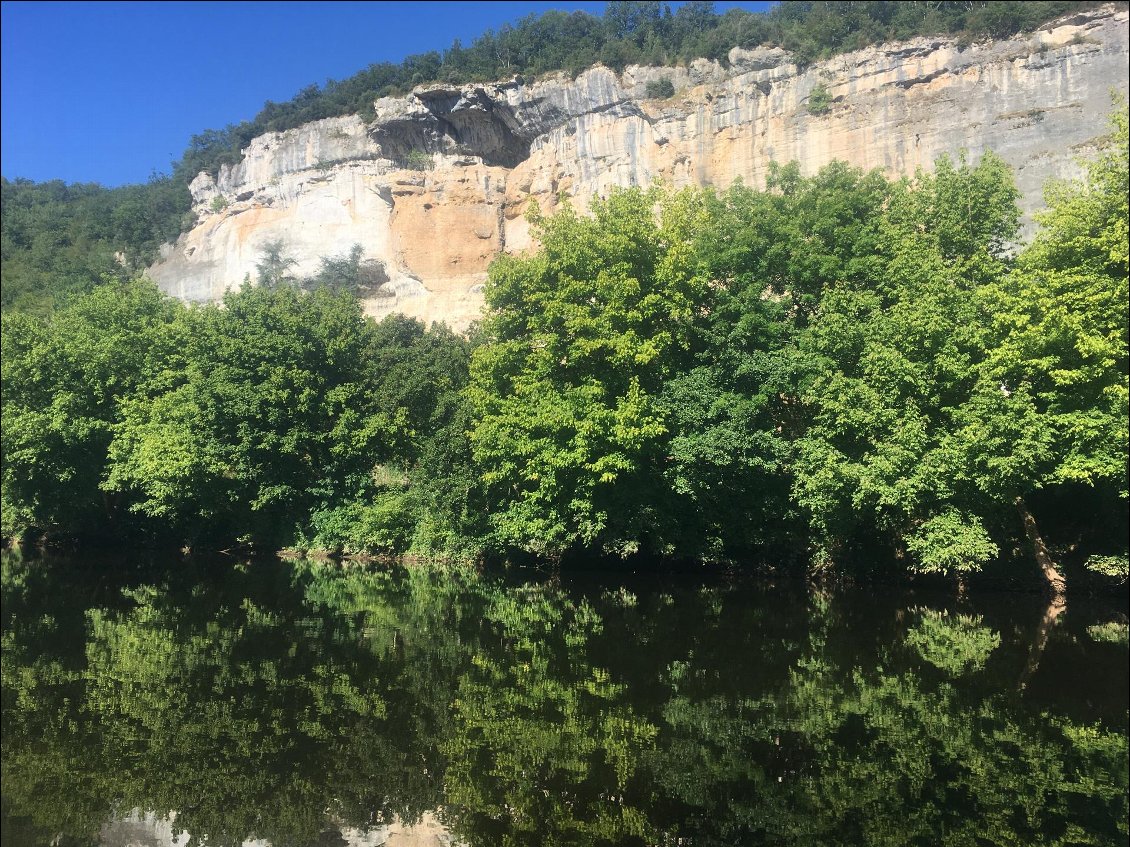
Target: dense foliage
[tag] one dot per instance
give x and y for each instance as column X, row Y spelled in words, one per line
column 278, row 415
column 57, row 240
column 839, row 369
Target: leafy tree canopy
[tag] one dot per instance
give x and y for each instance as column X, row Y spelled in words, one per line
column 841, row 368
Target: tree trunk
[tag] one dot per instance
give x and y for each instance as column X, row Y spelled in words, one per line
column 1055, row 584
column 1055, row 608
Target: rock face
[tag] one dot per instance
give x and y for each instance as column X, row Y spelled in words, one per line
column 147, row 829
column 437, row 185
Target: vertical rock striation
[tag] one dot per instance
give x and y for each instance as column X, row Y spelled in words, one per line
column 437, row 185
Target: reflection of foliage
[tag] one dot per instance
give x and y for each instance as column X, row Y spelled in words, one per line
column 716, row 757
column 248, row 709
column 256, row 704
column 1112, row 632
column 844, row 754
column 983, row 779
column 955, row 644
column 1116, row 567
column 541, row 723
column 254, row 693
column 44, row 746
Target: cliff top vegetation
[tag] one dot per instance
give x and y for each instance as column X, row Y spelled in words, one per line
column 644, row 32
column 60, row 239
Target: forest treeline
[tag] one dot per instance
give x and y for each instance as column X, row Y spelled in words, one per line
column 840, row 369
column 58, row 239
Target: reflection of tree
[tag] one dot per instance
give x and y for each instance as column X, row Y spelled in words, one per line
column 222, row 713
column 868, row 754
column 955, row 644
column 1113, row 632
column 44, row 744
column 420, row 622
column 1057, row 605
column 250, row 710
column 255, row 704
column 545, row 743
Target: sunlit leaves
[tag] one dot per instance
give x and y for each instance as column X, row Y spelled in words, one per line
column 64, row 382
column 244, row 432
column 954, row 380
column 1058, row 350
column 580, row 338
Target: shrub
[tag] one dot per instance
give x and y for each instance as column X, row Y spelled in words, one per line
column 219, row 203
column 660, row 89
column 820, row 100
column 418, row 160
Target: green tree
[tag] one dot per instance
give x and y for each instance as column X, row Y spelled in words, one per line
column 733, row 413
column 894, row 356
column 1049, row 408
column 820, row 100
column 273, row 267
column 417, row 494
column 58, row 241
column 579, row 340
column 350, row 273
column 65, row 379
column 267, row 412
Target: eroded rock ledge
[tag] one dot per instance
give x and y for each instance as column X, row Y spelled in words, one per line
column 436, row 186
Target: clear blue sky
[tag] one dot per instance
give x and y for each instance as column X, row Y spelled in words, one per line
column 110, row 92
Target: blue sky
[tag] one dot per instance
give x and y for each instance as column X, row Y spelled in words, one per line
column 110, row 92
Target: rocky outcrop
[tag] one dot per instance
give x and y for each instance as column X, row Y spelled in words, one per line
column 436, row 186
column 148, row 829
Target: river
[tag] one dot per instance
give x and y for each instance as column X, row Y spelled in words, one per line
column 306, row 703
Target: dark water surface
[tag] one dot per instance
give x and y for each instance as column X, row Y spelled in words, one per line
column 309, row 704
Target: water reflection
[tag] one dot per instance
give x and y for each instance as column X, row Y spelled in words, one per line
column 300, row 703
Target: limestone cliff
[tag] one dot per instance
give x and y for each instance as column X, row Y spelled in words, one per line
column 148, row 829
column 435, row 187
